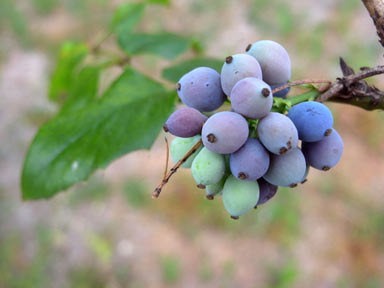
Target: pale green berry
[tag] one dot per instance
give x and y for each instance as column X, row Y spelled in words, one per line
column 240, row 196
column 180, row 146
column 208, row 167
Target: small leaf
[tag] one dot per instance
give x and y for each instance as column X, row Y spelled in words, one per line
column 69, row 58
column 83, row 91
column 174, row 73
column 70, row 147
column 166, row 45
column 127, row 16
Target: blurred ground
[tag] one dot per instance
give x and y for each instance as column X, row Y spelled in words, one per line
column 108, row 232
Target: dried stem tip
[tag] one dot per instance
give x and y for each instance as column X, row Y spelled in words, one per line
column 211, row 138
column 201, row 186
column 156, row 193
column 235, row 217
column 229, row 60
column 178, row 86
column 328, row 132
column 242, row 176
column 210, row 197
column 265, row 92
column 248, row 47
column 165, row 128
column 293, row 185
column 283, row 150
column 326, row 168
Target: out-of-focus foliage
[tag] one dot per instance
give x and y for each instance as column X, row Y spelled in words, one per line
column 69, row 59
column 126, row 17
column 166, row 45
column 11, row 15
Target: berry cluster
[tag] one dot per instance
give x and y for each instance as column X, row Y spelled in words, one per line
column 249, row 151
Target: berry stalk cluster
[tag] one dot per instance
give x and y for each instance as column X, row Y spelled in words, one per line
column 250, row 151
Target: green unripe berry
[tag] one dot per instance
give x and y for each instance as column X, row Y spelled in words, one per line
column 180, row 146
column 240, row 196
column 208, row 167
column 215, row 189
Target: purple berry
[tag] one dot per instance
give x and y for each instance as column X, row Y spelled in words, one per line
column 274, row 61
column 185, row 122
column 286, row 170
column 252, row 98
column 267, row 191
column 277, row 133
column 238, row 67
column 225, row 132
column 313, row 120
column 201, row 89
column 326, row 153
column 250, row 162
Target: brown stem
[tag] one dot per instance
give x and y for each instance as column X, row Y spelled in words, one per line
column 363, row 102
column 346, row 83
column 376, row 11
column 166, row 158
column 301, row 82
column 173, row 170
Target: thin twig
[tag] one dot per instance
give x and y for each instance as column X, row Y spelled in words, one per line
column 166, row 158
column 96, row 47
column 301, row 82
column 173, row 170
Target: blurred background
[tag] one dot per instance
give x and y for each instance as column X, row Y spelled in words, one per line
column 108, row 232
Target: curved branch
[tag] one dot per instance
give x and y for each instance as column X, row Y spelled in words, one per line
column 347, row 81
column 301, row 82
column 376, row 11
column 352, row 89
column 366, row 103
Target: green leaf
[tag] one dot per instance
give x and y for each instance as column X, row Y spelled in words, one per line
column 166, row 45
column 70, row 56
column 67, row 149
column 83, row 91
column 174, row 73
column 127, row 16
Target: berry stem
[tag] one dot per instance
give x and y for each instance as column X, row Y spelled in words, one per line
column 167, row 158
column 308, row 96
column 301, row 82
column 166, row 177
